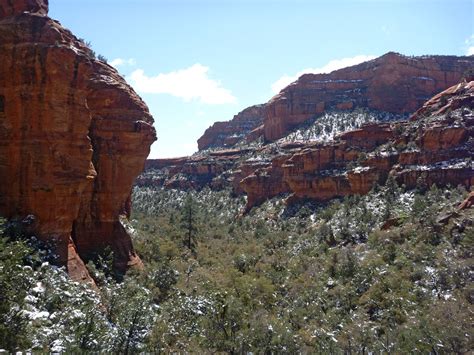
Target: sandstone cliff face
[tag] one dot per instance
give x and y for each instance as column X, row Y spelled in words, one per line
column 73, row 134
column 227, row 134
column 266, row 182
column 14, row 7
column 435, row 147
column 391, row 83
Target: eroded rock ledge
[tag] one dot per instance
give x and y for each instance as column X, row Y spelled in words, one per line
column 73, row 137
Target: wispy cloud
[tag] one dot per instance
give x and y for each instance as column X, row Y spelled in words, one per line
column 386, row 30
column 470, row 45
column 335, row 64
column 191, row 83
column 117, row 62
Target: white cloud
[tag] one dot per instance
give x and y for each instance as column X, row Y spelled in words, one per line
column 117, row 62
column 335, row 64
column 469, row 45
column 386, row 30
column 189, row 84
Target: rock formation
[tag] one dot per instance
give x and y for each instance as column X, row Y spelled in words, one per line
column 228, row 133
column 73, row 134
column 435, row 147
column 391, row 83
column 193, row 172
column 14, row 7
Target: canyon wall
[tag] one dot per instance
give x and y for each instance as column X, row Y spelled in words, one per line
column 73, row 134
column 228, row 133
column 435, row 146
column 388, row 88
column 392, row 83
column 193, row 172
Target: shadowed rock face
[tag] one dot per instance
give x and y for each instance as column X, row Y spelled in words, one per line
column 193, row 172
column 73, row 134
column 391, row 83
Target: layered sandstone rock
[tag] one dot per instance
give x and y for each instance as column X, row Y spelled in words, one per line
column 193, row 172
column 228, row 133
column 391, row 83
column 450, row 99
column 73, row 134
column 436, row 147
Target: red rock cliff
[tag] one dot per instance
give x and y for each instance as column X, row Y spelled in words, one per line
column 192, row 172
column 228, row 133
column 73, row 134
column 391, row 83
column 435, row 147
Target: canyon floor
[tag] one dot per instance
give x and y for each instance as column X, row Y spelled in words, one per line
column 389, row 271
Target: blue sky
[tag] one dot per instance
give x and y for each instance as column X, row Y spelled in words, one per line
column 195, row 62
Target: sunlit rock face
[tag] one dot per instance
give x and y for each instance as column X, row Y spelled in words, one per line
column 391, row 83
column 435, row 147
column 73, row 134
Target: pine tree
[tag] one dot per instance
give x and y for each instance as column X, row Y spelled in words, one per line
column 189, row 223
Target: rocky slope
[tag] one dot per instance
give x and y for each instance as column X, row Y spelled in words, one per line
column 194, row 172
column 73, row 134
column 228, row 133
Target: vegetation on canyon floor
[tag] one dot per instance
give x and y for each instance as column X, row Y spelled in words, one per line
column 309, row 278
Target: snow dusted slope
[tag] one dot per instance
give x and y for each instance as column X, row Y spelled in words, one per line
column 332, row 123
